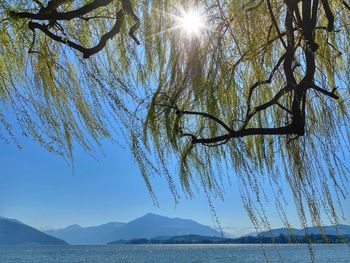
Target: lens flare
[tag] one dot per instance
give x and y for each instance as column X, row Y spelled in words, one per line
column 192, row 22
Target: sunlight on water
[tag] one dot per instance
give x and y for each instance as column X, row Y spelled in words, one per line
column 171, row 253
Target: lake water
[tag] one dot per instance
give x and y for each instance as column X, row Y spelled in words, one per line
column 172, row 253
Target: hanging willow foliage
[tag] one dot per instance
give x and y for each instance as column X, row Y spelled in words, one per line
column 262, row 90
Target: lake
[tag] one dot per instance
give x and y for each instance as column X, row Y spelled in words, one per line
column 172, row 253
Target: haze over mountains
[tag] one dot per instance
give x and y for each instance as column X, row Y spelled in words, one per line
column 147, row 226
column 94, row 235
column 14, row 232
column 152, row 225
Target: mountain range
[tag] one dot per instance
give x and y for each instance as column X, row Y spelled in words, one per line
column 147, row 226
column 94, row 235
column 328, row 230
column 14, row 232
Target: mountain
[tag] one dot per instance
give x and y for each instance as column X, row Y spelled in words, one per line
column 94, row 235
column 12, row 220
column 151, row 225
column 14, row 232
column 328, row 230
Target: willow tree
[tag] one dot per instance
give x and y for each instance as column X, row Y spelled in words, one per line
column 258, row 89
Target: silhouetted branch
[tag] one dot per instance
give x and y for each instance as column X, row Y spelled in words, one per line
column 51, row 14
column 325, row 92
column 63, row 15
column 87, row 52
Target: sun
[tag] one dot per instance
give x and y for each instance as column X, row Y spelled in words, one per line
column 192, row 22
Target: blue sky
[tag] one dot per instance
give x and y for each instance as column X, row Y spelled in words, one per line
column 40, row 189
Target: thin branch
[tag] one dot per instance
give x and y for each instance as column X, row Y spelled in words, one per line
column 347, row 6
column 258, row 83
column 284, row 108
column 87, row 18
column 325, row 92
column 274, row 21
column 205, row 115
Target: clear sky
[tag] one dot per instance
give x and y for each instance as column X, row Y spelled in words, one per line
column 40, row 189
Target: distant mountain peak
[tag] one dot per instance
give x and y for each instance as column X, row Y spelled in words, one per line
column 153, row 215
column 91, row 235
column 152, row 225
column 156, row 216
column 74, row 226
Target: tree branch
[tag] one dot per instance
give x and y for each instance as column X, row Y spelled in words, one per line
column 329, row 15
column 285, row 130
column 326, row 92
column 87, row 52
column 347, row 6
column 275, row 22
column 258, row 83
column 205, row 115
column 63, row 15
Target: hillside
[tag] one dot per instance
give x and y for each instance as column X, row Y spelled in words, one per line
column 13, row 232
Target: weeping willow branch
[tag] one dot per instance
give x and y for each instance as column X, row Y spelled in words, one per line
column 87, row 52
column 51, row 14
column 43, row 14
column 307, row 25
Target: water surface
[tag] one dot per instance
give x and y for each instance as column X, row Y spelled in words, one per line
column 173, row 253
